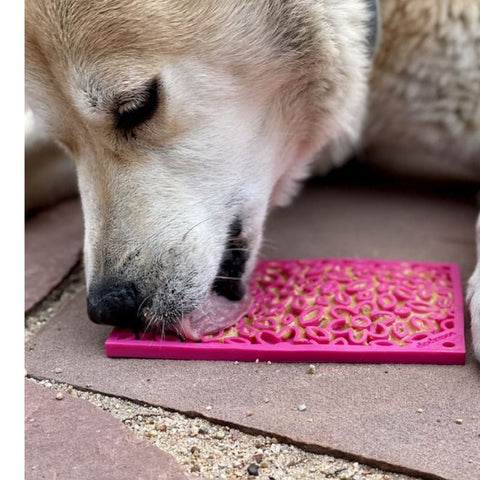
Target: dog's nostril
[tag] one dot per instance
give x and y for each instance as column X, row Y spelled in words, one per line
column 114, row 304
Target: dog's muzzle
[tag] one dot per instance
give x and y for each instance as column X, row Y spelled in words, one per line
column 119, row 303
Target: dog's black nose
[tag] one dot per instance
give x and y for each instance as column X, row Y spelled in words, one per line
column 114, row 304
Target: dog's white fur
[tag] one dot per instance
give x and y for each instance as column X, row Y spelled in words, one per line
column 251, row 94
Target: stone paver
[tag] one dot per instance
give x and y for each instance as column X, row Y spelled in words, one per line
column 53, row 242
column 402, row 416
column 72, row 439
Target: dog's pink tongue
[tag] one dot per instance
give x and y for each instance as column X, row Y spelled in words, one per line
column 216, row 313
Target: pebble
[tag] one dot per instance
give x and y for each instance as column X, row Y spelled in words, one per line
column 248, row 413
column 59, row 396
column 161, row 427
column 302, row 407
column 58, row 370
column 311, row 369
column 208, row 407
column 258, row 457
column 253, row 470
column 266, row 400
column 195, row 450
column 203, row 430
column 459, row 421
column 220, row 435
column 419, row 410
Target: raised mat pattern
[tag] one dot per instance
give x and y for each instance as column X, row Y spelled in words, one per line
column 342, row 310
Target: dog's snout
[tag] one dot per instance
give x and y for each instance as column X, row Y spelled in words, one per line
column 114, row 304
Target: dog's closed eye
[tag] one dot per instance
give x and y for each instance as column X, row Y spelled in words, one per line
column 139, row 108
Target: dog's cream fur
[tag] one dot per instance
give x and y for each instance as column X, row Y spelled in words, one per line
column 251, row 93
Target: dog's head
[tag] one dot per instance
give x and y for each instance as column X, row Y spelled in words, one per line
column 187, row 121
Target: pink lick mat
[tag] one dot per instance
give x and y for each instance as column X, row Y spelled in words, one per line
column 331, row 310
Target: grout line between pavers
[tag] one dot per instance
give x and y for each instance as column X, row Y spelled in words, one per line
column 40, row 313
column 250, row 431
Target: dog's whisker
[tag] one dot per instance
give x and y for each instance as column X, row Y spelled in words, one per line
column 162, row 331
column 150, row 322
column 268, row 242
column 146, row 314
column 220, row 277
column 194, row 226
column 177, row 331
column 143, row 303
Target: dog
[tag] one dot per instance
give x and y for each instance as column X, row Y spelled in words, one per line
column 189, row 120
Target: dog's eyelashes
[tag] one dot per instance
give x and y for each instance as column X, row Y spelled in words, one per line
column 138, row 110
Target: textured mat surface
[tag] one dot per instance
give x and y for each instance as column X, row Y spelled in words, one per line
column 340, row 310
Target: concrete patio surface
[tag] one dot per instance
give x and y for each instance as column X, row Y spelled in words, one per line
column 420, row 419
